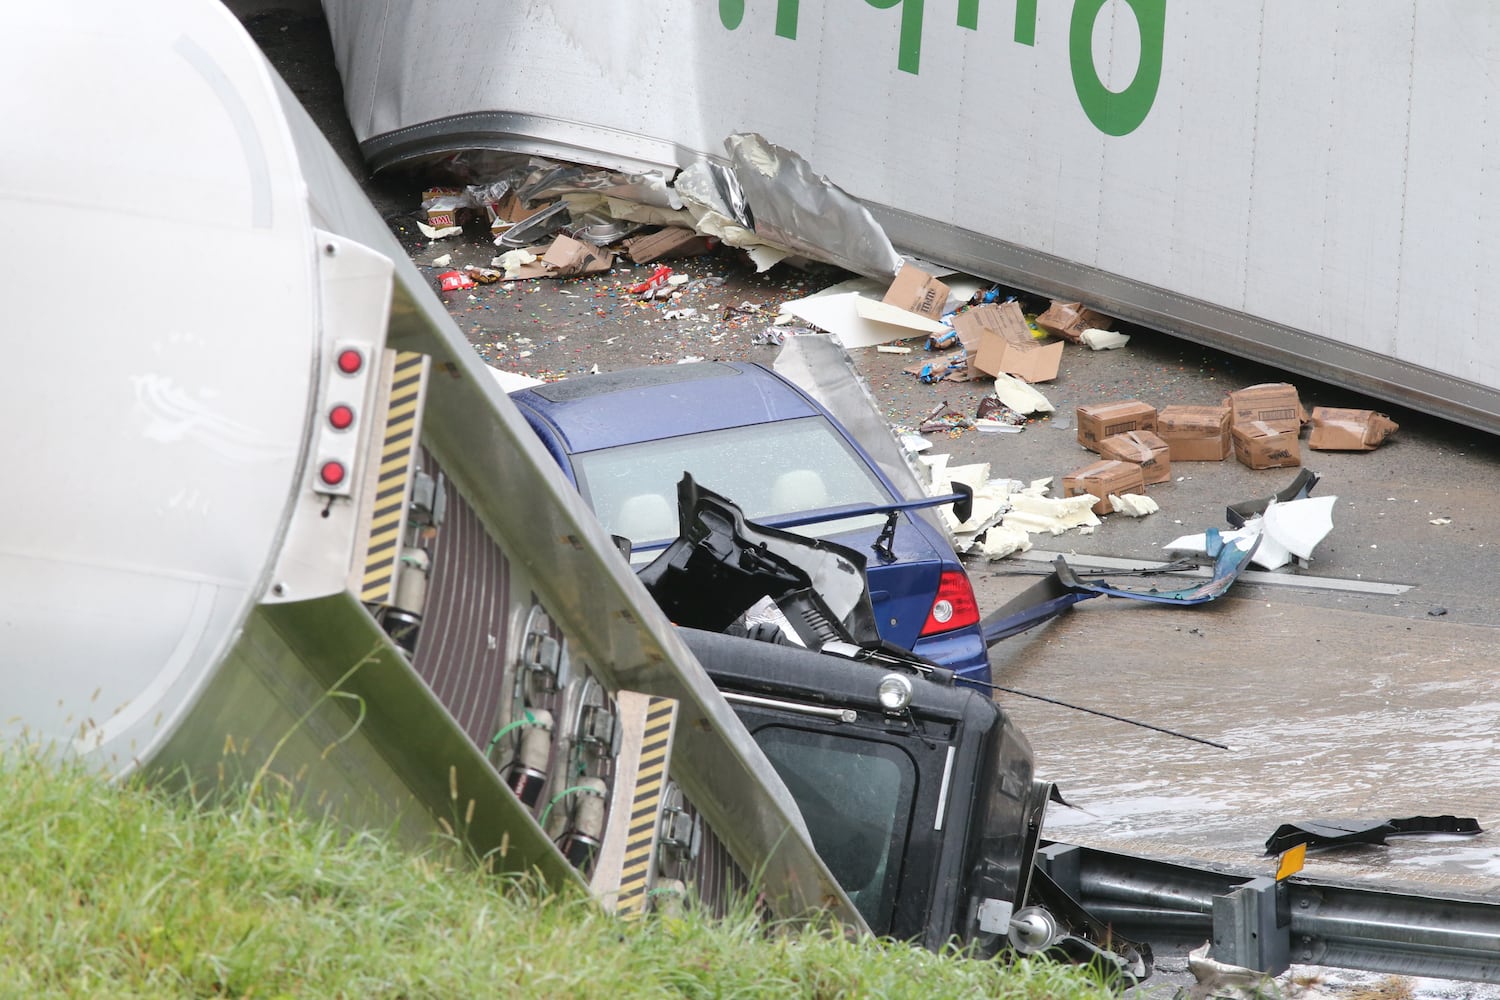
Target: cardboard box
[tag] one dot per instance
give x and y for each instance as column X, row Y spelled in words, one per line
column 1260, row 445
column 509, row 211
column 1144, row 449
column 442, row 206
column 1273, row 403
column 1097, row 421
column 568, row 257
column 917, row 291
column 997, row 340
column 1068, row 320
column 1102, row 478
column 666, row 244
column 1335, row 429
column 1195, row 433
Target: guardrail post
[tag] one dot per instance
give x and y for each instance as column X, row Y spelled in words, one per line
column 1252, row 927
column 1064, row 864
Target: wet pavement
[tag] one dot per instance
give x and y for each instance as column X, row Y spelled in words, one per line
column 1326, row 715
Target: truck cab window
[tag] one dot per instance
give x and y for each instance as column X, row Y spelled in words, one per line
column 856, row 796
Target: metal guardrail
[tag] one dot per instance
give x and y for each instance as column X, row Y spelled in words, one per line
column 1258, row 923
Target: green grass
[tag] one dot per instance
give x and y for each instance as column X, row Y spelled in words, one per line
column 112, row 891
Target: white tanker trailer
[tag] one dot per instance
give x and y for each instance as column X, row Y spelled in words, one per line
column 267, row 519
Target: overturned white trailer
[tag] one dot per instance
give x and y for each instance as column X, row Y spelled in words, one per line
column 1311, row 186
column 267, row 518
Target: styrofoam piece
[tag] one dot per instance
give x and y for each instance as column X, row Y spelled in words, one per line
column 1020, row 396
column 1105, row 340
column 1133, row 504
column 1003, row 540
column 1300, row 525
column 974, row 475
column 914, row 443
column 1053, row 515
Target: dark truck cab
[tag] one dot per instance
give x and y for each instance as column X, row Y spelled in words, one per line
column 926, row 811
column 918, row 794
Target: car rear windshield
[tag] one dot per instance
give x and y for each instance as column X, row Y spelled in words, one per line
column 766, row 469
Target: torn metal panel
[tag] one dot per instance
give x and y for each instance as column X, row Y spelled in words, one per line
column 650, row 187
column 1346, row 832
column 795, row 207
column 1231, row 553
column 710, row 193
column 821, row 368
column 1299, row 488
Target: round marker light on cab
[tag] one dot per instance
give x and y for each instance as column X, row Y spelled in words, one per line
column 332, row 473
column 894, row 692
column 350, row 361
column 341, row 417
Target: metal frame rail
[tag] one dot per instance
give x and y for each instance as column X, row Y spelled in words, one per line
column 1258, row 923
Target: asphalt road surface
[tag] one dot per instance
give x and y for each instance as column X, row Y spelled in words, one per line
column 1364, row 685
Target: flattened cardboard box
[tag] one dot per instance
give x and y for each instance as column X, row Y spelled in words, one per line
column 566, row 257
column 1097, row 421
column 1143, row 448
column 1068, row 320
column 1259, row 445
column 1335, row 429
column 997, row 340
column 1102, row 478
column 917, row 291
column 1273, row 403
column 1195, row 433
column 666, row 244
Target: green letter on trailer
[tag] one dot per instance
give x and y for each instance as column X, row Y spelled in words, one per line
column 732, row 12
column 909, row 47
column 1117, row 113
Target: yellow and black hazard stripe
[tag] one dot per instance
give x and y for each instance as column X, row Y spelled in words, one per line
column 393, row 484
column 645, row 809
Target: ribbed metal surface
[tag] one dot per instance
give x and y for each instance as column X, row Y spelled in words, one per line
column 461, row 652
column 713, row 877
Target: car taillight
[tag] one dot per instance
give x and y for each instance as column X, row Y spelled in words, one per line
column 955, row 606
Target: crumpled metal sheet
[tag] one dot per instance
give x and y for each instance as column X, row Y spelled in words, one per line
column 710, row 192
column 792, row 205
column 649, row 188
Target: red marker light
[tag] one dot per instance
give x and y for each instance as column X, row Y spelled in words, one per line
column 341, row 417
column 350, row 361
column 332, row 473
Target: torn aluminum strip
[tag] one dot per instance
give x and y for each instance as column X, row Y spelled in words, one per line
column 712, row 197
column 1231, row 552
column 557, row 179
column 791, row 205
column 817, row 365
column 1345, row 832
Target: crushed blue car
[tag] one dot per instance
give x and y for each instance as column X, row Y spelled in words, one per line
column 626, row 438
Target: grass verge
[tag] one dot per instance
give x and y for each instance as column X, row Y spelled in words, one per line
column 129, row 892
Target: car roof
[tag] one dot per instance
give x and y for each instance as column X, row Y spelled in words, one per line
column 661, row 401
